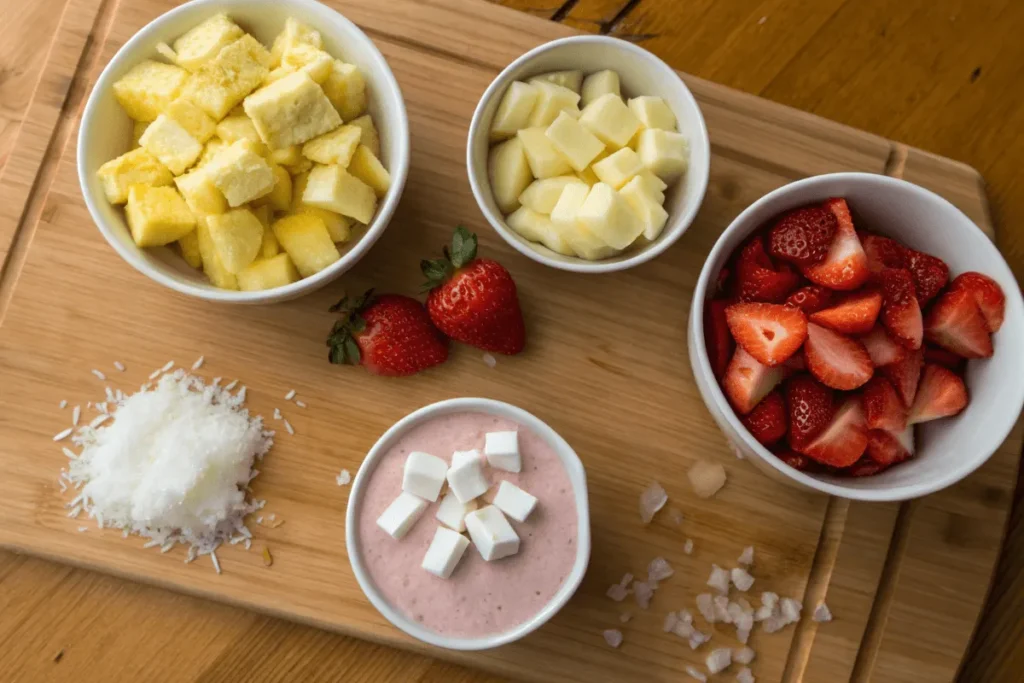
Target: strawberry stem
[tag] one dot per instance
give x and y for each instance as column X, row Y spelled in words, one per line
column 341, row 341
column 462, row 253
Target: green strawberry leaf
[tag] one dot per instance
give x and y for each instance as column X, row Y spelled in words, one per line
column 341, row 340
column 463, row 247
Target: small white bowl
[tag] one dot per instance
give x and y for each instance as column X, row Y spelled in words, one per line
column 106, row 133
column 947, row 450
column 641, row 73
column 577, row 475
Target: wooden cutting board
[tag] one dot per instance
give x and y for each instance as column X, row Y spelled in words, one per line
column 906, row 582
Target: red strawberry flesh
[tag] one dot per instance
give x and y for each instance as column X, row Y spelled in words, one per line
column 883, row 252
column 810, row 409
column 881, row 347
column 856, row 314
column 835, row 360
column 717, row 338
column 987, row 293
column 904, row 375
column 767, row 421
column 803, row 236
column 865, row 467
column 810, row 299
column 901, row 313
column 890, row 447
column 758, row 278
column 844, row 440
column 746, row 381
column 941, row 394
column 956, row 324
column 771, row 333
column 883, row 408
column 845, row 267
column 930, row 275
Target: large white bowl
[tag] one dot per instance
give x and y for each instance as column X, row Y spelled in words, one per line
column 106, row 132
column 947, row 450
column 577, row 475
column 641, row 73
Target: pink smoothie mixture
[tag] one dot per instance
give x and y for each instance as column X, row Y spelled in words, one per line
column 480, row 598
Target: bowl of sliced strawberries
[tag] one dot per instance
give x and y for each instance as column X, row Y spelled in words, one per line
column 859, row 335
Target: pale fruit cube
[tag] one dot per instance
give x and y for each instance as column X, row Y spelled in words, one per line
column 514, row 111
column 565, row 219
column 537, row 227
column 305, row 239
column 240, row 127
column 199, row 192
column 653, row 112
column 619, row 168
column 314, row 62
column 225, row 80
column 214, row 269
column 269, row 247
column 138, row 128
column 294, row 33
column 338, row 227
column 189, row 247
column 545, row 161
column 551, row 99
column 335, row 147
column 202, row 43
column 609, row 217
column 193, row 119
column 280, row 197
column 509, row 172
column 335, row 189
column 588, row 176
column 573, row 141
column 237, row 236
column 148, row 87
column 210, row 150
column 370, row 137
column 541, row 195
column 291, row 111
column 167, row 52
column 276, row 75
column 610, row 119
column 566, row 79
column 240, row 173
column 286, row 156
column 653, row 185
column 346, row 89
column 171, row 144
column 299, row 182
column 263, row 213
column 598, row 84
column 368, row 168
column 268, row 273
column 651, row 213
column 157, row 215
column 137, row 167
column 664, row 153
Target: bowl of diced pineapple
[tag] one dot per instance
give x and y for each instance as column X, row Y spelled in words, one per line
column 588, row 154
column 244, row 151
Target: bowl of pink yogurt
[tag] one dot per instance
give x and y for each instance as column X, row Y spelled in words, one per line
column 482, row 604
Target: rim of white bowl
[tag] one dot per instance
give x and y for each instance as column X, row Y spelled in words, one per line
column 575, row 264
column 570, row 460
column 134, row 257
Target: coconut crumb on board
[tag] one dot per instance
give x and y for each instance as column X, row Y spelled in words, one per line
column 199, row 362
column 288, row 427
column 659, row 569
column 822, row 614
column 119, row 366
column 290, row 395
column 695, row 673
column 745, row 676
column 625, row 617
column 688, row 546
column 343, row 478
column 719, row 579
column 746, row 558
column 613, row 637
column 743, row 655
column 63, row 404
column 490, row 361
column 300, row 404
column 741, row 578
column 706, row 478
column 60, row 436
column 652, row 499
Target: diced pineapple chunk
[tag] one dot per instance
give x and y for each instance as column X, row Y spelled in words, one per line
column 598, row 84
column 286, row 156
column 240, row 173
column 157, row 215
column 137, row 167
column 276, row 75
column 225, row 80
column 653, row 112
column 338, row 227
column 346, row 89
column 237, row 236
column 193, row 119
column 610, row 119
column 335, row 189
column 545, row 161
column 514, row 111
column 335, row 147
column 240, row 127
column 509, row 172
column 367, row 167
column 653, row 185
column 269, row 247
column 199, row 192
column 609, row 217
column 651, row 213
column 566, row 79
column 148, row 87
column 214, row 269
column 573, row 141
column 541, row 195
column 369, row 137
column 291, row 111
column 551, row 99
column 138, row 128
column 537, row 227
column 664, row 153
column 202, row 43
column 210, row 150
column 305, row 239
column 263, row 214
column 171, row 144
column 294, row 33
column 189, row 247
column 302, row 57
column 268, row 273
column 565, row 218
column 279, row 198
column 167, row 52
column 619, row 168
column 588, row 176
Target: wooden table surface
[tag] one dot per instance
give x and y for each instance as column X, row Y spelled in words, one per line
column 942, row 75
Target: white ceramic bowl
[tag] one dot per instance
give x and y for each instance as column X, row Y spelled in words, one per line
column 577, row 475
column 641, row 73
column 947, row 450
column 106, row 133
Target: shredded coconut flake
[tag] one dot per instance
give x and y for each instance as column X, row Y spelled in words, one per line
column 659, row 569
column 167, row 366
column 63, row 404
column 300, row 404
column 199, row 362
column 669, row 624
column 652, row 499
column 625, row 617
column 99, row 375
column 288, row 427
column 822, row 613
column 719, row 579
column 741, row 578
column 718, row 660
column 290, row 395
column 60, row 436
column 343, row 478
column 119, row 366
column 613, row 637
column 688, row 546
column 746, row 558
column 791, row 610
column 744, row 676
column 706, row 607
column 231, row 385
column 76, row 413
column 643, row 592
column 698, row 638
column 490, row 361
column 706, row 478
column 695, row 673
column 743, row 656
column 277, row 413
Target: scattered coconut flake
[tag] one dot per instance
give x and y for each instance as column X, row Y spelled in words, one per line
column 688, row 546
column 744, row 675
column 490, row 361
column 154, row 374
column 343, row 478
column 684, row 615
column 613, row 637
column 684, row 629
column 199, row 362
column 60, row 436
column 773, row 623
column 762, row 20
column 216, row 563
column 695, row 673
column 734, row 611
column 791, row 610
column 82, row 529
column 277, row 413
column 290, row 395
column 98, row 420
column 625, row 616
column 744, row 625
column 63, row 404
column 99, row 375
column 288, row 427
column 675, row 516
column 231, row 385
column 719, row 579
column 119, row 365
column 669, row 624
column 698, row 638
column 706, row 607
column 167, row 366
column 743, row 635
column 300, row 404
column 109, row 393
column 652, row 499
column 75, row 511
column 743, row 655
column 769, row 598
column 617, row 592
column 76, row 413
column 718, row 660
column 746, row 558
column 721, row 607
column 822, row 613
column 242, row 392
column 643, row 592
column 626, row 579
column 659, row 569
column 62, row 485
column 706, row 478
column 742, row 579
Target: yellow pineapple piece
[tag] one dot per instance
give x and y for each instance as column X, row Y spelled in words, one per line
column 276, row 75
column 287, row 156
column 138, row 128
column 210, row 149
column 338, row 227
column 609, row 217
column 509, row 172
column 280, row 197
column 346, row 89
column 302, row 57
column 268, row 273
column 193, row 119
column 571, row 79
column 664, row 153
column 573, row 141
column 291, row 111
column 367, row 167
column 597, row 84
column 148, row 87
column 541, row 195
column 269, row 246
column 651, row 213
column 169, row 142
column 202, row 43
column 564, row 216
column 240, row 173
column 335, row 147
column 167, row 52
column 294, row 33
column 551, row 99
column 189, row 246
column 235, row 128
column 225, row 80
column 137, row 167
column 653, row 112
column 214, row 269
column 305, row 239
column 369, row 137
column 514, row 111
column 545, row 161
column 537, row 227
column 619, row 168
column 199, row 192
column 611, row 120
column 237, row 236
column 157, row 215
column 335, row 189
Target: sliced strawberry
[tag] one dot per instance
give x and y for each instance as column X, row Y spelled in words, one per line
column 883, row 252
column 846, row 266
column 810, row 298
column 844, row 440
column 810, row 409
column 987, row 293
column 941, row 394
column 891, row 447
column 865, row 467
column 930, row 275
column 883, row 408
column 717, row 339
column 795, row 460
column 771, row 333
column 901, row 314
column 795, row 363
column 758, row 278
column 947, row 359
column 856, row 314
column 746, row 381
column 723, row 283
column 881, row 347
column 837, row 361
column 956, row 324
column 904, row 375
column 767, row 421
column 803, row 236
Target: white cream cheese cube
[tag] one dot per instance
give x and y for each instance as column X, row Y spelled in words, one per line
column 609, row 217
column 401, row 515
column 452, row 512
column 551, row 99
column 460, row 457
column 573, row 141
column 537, row 227
column 467, row 481
column 424, row 475
column 619, row 168
column 651, row 213
column 514, row 502
column 545, row 161
column 610, row 119
column 444, row 552
column 509, row 172
column 664, row 153
column 567, row 79
column 492, row 535
column 514, row 111
column 542, row 195
column 653, row 112
column 502, row 451
column 598, row 84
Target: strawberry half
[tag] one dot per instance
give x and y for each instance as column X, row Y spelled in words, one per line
column 956, row 324
column 758, row 278
column 891, row 447
column 987, row 293
column 881, row 347
column 803, row 236
column 941, row 394
column 845, row 438
column 883, row 252
column 846, row 266
column 901, row 313
column 797, row 461
column 746, row 381
column 856, row 314
column 883, row 408
column 865, row 467
column 947, row 359
column 810, row 299
column 767, row 421
column 717, row 339
column 810, row 409
column 930, row 275
column 837, row 361
column 904, row 375
column 771, row 333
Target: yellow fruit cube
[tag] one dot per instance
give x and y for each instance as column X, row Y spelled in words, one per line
column 235, row 128
column 566, row 79
column 573, row 141
column 335, row 147
column 305, row 239
column 264, row 214
column 286, row 156
column 202, row 43
column 240, row 173
column 270, row 247
column 137, row 167
column 588, row 176
column 280, row 197
column 609, row 217
column 545, row 161
column 514, row 111
column 299, row 182
column 619, row 168
column 189, row 247
column 210, row 149
column 302, row 57
column 157, row 215
column 138, row 128
column 291, row 111
column 335, row 189
column 193, row 119
column 551, row 99
column 237, row 236
column 509, row 172
column 167, row 52
column 276, row 75
column 171, row 144
column 225, row 80
column 369, row 137
column 346, row 89
column 367, row 167
column 610, row 119
column 199, row 192
column 214, row 269
column 541, row 195
column 268, row 273
column 664, row 153
column 565, row 218
column 148, row 88
column 653, row 112
column 338, row 227
column 653, row 185
column 598, row 84
column 537, row 227
column 294, row 33
column 651, row 213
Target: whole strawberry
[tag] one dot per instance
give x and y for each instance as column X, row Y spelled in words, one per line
column 473, row 300
column 388, row 335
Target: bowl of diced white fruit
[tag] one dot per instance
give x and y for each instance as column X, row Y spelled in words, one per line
column 244, row 151
column 588, row 154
